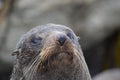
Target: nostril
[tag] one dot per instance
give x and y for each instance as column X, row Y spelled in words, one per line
column 61, row 39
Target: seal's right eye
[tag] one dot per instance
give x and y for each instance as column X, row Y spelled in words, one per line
column 36, row 41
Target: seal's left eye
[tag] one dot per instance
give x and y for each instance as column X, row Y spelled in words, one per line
column 70, row 35
column 36, row 40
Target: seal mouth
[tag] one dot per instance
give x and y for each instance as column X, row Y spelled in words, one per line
column 56, row 56
column 62, row 58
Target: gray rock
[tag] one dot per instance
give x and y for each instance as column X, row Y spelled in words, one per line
column 113, row 74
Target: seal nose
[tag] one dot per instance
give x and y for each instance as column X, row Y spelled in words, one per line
column 61, row 39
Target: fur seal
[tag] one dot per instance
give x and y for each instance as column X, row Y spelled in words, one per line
column 49, row 52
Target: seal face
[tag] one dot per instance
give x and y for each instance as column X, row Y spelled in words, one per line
column 49, row 52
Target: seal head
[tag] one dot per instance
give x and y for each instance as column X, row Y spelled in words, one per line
column 50, row 52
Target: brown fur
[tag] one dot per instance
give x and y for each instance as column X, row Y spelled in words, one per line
column 48, row 60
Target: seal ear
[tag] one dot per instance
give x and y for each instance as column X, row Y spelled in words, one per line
column 16, row 52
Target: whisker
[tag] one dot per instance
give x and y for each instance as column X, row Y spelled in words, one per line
column 27, row 69
column 33, row 70
column 81, row 58
column 35, row 63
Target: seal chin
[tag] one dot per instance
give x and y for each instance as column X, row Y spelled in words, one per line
column 63, row 59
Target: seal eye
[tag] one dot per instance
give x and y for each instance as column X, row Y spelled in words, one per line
column 70, row 35
column 36, row 41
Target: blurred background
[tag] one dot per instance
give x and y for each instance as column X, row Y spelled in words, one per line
column 97, row 22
